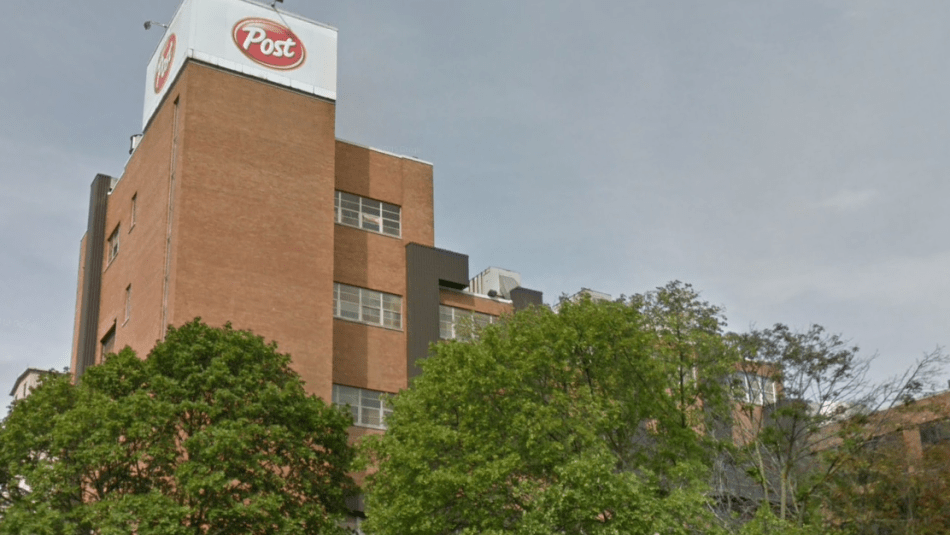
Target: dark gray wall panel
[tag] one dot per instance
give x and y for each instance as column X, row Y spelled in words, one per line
column 522, row 298
column 426, row 269
column 92, row 276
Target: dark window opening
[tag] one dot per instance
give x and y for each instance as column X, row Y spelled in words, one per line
column 108, row 342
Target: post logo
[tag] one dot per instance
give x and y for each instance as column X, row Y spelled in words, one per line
column 164, row 66
column 269, row 43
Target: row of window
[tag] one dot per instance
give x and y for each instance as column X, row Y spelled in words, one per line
column 458, row 323
column 361, row 304
column 367, row 306
column 367, row 214
column 351, row 210
column 383, row 309
column 368, row 407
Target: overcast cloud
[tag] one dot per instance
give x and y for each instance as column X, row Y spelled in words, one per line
column 786, row 158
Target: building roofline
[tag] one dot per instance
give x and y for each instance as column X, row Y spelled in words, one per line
column 386, row 152
column 27, row 372
column 273, row 8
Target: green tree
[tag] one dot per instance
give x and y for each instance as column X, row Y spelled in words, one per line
column 797, row 446
column 691, row 349
column 549, row 422
column 766, row 523
column 891, row 486
column 212, row 433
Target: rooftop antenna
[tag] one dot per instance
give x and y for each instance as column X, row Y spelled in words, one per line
column 148, row 24
column 274, row 3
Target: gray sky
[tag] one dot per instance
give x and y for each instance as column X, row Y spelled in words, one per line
column 787, row 158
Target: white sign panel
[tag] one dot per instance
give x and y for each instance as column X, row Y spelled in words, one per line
column 246, row 37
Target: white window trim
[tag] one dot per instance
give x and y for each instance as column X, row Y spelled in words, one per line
column 363, row 216
column 762, row 392
column 361, row 412
column 364, row 307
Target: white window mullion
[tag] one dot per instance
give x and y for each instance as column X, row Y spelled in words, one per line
column 367, row 214
column 336, row 299
column 367, row 306
column 450, row 317
column 359, row 406
column 368, row 407
column 371, row 307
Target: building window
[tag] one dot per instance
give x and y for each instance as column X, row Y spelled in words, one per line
column 756, row 389
column 108, row 342
column 458, row 323
column 368, row 407
column 113, row 245
column 367, row 306
column 128, row 302
column 935, row 432
column 132, row 212
column 367, row 214
column 352, row 524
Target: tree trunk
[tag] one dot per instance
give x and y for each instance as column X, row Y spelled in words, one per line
column 784, row 494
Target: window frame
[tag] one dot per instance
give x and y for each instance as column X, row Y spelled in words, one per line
column 371, row 215
column 112, row 243
column 934, row 432
column 107, row 343
column 479, row 320
column 758, row 389
column 369, row 307
column 379, row 412
column 132, row 209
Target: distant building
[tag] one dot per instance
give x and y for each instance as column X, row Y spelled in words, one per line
column 594, row 295
column 583, row 293
column 912, row 427
column 26, row 382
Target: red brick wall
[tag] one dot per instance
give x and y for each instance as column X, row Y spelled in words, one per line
column 252, row 226
column 473, row 302
column 368, row 356
column 253, row 238
column 141, row 255
column 254, row 235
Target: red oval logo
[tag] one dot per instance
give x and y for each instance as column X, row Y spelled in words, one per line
column 268, row 43
column 164, row 66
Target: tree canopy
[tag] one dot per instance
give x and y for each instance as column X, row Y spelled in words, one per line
column 212, row 433
column 587, row 420
column 637, row 416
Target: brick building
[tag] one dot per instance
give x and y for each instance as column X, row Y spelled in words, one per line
column 239, row 204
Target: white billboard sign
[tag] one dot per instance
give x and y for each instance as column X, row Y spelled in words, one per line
column 250, row 38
